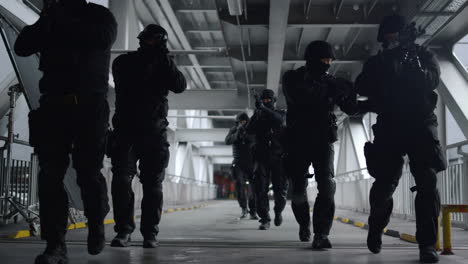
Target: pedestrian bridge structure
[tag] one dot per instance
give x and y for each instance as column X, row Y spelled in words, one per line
column 229, row 50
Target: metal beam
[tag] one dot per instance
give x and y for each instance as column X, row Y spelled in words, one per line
column 151, row 12
column 197, row 135
column 219, row 151
column 203, row 31
column 211, row 51
column 219, row 117
column 169, row 13
column 371, row 7
column 278, row 23
column 214, row 99
column 221, row 160
column 343, row 25
column 337, row 8
column 453, row 88
column 454, row 30
column 214, row 11
column 197, row 99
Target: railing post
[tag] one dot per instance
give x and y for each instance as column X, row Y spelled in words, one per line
column 447, row 250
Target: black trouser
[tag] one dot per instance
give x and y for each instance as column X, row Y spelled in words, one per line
column 244, row 190
column 57, row 129
column 151, row 150
column 298, row 160
column 424, row 153
column 266, row 170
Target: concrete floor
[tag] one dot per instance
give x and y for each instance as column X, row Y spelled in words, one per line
column 214, row 234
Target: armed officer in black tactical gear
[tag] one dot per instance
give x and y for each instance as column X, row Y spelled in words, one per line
column 312, row 96
column 242, row 166
column 74, row 40
column 267, row 124
column 143, row 80
column 399, row 83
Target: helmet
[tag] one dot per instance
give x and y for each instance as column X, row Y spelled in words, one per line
column 317, row 50
column 153, row 31
column 267, row 93
column 391, row 24
column 242, row 116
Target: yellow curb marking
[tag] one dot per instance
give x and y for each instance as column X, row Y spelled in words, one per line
column 408, row 237
column 21, row 234
column 79, row 225
column 345, row 220
column 359, row 224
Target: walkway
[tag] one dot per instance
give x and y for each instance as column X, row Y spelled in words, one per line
column 214, row 234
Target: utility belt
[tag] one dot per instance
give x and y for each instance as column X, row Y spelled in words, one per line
column 71, row 99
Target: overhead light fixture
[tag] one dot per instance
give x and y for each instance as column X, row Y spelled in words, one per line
column 235, row 7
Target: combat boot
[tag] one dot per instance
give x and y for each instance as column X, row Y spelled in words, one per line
column 264, row 226
column 55, row 253
column 321, row 242
column 278, row 219
column 374, row 241
column 122, row 239
column 304, row 233
column 150, row 241
column 96, row 239
column 244, row 213
column 253, row 216
column 428, row 254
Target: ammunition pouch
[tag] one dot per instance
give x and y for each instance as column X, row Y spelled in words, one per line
column 370, row 153
column 35, row 127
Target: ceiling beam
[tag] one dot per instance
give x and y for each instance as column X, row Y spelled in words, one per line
column 223, row 151
column 170, row 15
column 279, row 13
column 338, row 25
column 451, row 32
column 214, row 11
column 202, row 134
column 214, row 99
column 222, row 160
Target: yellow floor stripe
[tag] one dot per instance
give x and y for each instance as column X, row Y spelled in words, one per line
column 109, row 221
column 408, row 237
column 80, row 225
column 21, row 234
column 26, row 233
column 359, row 224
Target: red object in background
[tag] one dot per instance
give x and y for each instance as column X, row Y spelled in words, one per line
column 225, row 185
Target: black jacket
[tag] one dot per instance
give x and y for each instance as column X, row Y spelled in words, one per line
column 267, row 125
column 74, row 49
column 241, row 145
column 398, row 92
column 142, row 83
column 311, row 103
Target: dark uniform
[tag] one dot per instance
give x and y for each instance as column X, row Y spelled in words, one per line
column 267, row 124
column 312, row 95
column 74, row 41
column 400, row 89
column 143, row 80
column 242, row 166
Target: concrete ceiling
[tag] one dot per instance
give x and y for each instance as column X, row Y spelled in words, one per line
column 270, row 37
